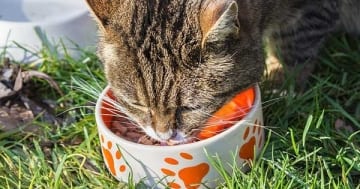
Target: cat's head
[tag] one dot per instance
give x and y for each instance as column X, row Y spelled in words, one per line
column 172, row 64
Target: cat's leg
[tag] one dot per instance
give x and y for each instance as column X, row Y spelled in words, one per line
column 297, row 43
column 274, row 72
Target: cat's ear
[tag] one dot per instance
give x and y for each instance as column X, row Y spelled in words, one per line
column 218, row 20
column 102, row 10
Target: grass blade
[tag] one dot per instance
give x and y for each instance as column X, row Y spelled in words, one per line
column 306, row 129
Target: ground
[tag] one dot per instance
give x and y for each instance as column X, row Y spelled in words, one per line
column 49, row 139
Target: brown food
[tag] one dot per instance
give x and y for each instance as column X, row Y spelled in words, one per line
column 123, row 128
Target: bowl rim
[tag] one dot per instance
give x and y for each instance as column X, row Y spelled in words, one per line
column 63, row 18
column 198, row 144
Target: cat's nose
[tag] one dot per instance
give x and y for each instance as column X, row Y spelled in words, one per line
column 163, row 124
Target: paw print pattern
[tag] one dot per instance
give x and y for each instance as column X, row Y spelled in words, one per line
column 191, row 176
column 247, row 150
column 110, row 158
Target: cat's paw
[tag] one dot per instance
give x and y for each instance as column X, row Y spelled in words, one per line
column 274, row 72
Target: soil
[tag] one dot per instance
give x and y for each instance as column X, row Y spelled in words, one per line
column 19, row 104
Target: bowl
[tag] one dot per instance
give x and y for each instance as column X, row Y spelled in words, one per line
column 28, row 22
column 180, row 166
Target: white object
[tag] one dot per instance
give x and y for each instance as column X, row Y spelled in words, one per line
column 66, row 21
column 182, row 165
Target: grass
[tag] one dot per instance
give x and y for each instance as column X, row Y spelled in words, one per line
column 303, row 148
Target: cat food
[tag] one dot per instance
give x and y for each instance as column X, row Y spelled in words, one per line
column 123, row 128
column 221, row 120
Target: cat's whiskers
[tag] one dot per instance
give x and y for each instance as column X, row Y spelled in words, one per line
column 265, row 104
column 270, row 102
column 118, row 111
column 230, row 119
column 114, row 108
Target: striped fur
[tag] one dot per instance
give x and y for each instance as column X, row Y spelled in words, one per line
column 172, row 63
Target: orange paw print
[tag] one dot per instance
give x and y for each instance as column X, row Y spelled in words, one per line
column 191, row 176
column 110, row 158
column 247, row 150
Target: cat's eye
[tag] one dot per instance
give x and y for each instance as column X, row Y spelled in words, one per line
column 183, row 110
column 187, row 108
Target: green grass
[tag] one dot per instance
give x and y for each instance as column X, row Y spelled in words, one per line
column 303, row 148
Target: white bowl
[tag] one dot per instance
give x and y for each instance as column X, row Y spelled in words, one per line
column 65, row 20
column 182, row 165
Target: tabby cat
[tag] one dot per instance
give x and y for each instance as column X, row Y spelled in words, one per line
column 172, row 63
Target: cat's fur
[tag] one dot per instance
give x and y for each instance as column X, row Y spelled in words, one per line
column 172, row 63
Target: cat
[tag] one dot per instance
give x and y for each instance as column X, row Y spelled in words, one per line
column 172, row 64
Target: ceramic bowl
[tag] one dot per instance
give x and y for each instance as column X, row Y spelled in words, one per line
column 27, row 22
column 180, row 166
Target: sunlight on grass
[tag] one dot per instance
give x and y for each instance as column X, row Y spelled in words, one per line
column 304, row 149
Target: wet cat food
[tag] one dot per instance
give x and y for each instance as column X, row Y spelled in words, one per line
column 123, row 128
